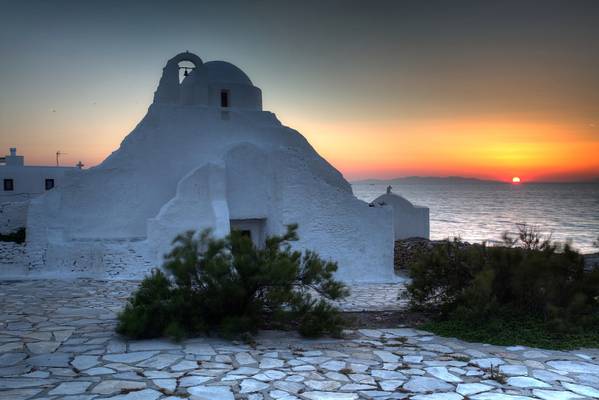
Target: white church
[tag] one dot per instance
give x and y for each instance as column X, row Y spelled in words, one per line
column 206, row 155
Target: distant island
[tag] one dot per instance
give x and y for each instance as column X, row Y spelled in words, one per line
column 423, row 179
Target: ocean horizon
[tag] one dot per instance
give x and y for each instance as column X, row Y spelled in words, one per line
column 478, row 211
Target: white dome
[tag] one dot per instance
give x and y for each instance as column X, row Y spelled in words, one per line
column 222, row 71
column 394, row 200
column 408, row 220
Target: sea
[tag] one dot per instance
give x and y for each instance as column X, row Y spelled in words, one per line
column 478, row 211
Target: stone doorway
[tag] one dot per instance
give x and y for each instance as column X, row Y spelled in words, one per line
column 254, row 228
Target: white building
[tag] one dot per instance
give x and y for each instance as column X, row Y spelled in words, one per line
column 22, row 182
column 409, row 220
column 205, row 156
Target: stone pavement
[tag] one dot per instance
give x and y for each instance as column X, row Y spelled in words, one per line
column 57, row 341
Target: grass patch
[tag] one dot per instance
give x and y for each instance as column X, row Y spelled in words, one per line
column 510, row 330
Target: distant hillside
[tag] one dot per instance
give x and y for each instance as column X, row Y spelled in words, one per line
column 423, row 179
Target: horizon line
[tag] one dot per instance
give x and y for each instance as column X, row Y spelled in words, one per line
column 404, row 177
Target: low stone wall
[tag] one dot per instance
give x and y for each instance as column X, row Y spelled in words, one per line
column 13, row 216
column 406, row 250
column 129, row 259
column 12, row 260
column 12, row 253
column 114, row 259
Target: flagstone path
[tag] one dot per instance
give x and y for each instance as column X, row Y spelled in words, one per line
column 57, row 341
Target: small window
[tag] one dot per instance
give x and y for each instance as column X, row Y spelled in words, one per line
column 224, row 98
column 49, row 184
column 9, row 185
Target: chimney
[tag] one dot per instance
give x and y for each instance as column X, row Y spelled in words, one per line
column 13, row 160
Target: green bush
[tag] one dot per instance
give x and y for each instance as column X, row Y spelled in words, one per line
column 229, row 286
column 17, row 236
column 528, row 277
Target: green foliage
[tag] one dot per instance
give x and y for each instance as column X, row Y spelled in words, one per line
column 317, row 317
column 229, row 286
column 529, row 277
column 17, row 236
column 506, row 329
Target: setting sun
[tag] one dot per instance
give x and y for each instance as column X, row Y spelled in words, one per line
column 515, row 179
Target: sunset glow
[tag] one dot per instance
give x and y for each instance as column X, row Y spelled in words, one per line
column 488, row 149
column 470, row 99
column 515, row 180
column 475, row 148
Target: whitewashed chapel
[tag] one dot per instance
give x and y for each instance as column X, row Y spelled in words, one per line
column 206, row 155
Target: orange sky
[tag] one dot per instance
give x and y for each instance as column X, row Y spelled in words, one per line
column 492, row 149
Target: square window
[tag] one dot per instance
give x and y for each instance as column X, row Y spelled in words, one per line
column 49, row 184
column 9, row 185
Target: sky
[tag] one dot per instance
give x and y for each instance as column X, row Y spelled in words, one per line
column 381, row 89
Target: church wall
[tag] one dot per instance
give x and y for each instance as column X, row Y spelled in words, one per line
column 414, row 223
column 249, row 182
column 409, row 221
column 200, row 203
column 334, row 223
column 13, row 215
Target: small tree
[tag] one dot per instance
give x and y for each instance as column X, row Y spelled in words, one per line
column 528, row 237
column 230, row 286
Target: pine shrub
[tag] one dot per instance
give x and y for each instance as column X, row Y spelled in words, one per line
column 230, row 287
column 527, row 277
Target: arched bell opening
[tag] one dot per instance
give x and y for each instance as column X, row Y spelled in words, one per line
column 174, row 73
column 185, row 68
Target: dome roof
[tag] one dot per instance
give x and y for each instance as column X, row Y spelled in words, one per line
column 393, row 199
column 222, row 71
